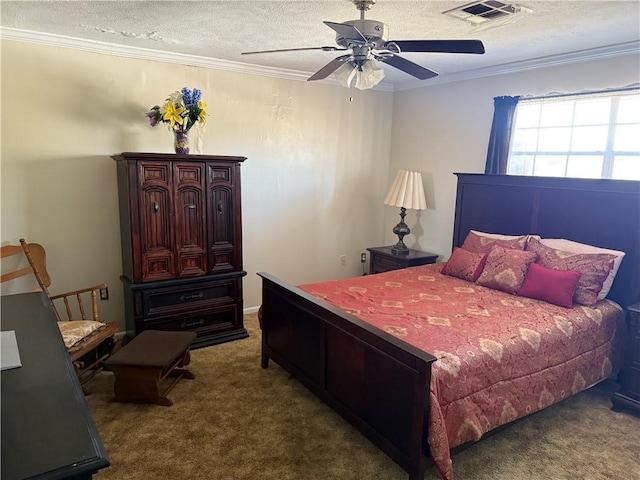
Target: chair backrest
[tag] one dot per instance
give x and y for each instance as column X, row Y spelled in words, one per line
column 12, row 255
column 36, row 265
column 37, row 258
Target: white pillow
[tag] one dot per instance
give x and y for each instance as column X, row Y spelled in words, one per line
column 499, row 236
column 575, row 247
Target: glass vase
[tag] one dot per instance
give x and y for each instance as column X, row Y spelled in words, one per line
column 181, row 142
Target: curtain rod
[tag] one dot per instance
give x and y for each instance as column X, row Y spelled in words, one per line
column 635, row 86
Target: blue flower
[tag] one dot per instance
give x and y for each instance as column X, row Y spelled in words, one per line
column 186, row 96
column 197, row 95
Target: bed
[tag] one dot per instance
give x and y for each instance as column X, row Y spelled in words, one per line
column 381, row 381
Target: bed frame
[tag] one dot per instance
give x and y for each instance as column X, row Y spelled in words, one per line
column 378, row 382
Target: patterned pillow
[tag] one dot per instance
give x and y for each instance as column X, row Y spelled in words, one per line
column 575, row 247
column 482, row 244
column 465, row 265
column 594, row 267
column 553, row 286
column 506, row 269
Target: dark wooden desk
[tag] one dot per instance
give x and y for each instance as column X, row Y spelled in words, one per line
column 47, row 427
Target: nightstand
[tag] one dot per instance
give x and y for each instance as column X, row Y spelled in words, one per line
column 629, row 395
column 383, row 260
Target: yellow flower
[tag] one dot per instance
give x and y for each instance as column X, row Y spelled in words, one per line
column 172, row 114
column 202, row 105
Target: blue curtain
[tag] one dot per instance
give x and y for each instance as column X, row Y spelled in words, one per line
column 504, row 109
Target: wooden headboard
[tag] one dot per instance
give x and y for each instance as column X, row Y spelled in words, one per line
column 604, row 213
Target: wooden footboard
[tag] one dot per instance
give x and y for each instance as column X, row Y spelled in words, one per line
column 377, row 382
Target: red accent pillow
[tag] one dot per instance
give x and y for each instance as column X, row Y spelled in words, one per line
column 481, row 244
column 465, row 265
column 550, row 285
column 506, row 269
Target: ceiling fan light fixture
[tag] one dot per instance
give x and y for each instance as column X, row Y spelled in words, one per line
column 345, row 74
column 363, row 78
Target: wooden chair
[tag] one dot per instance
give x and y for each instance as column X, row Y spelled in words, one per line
column 88, row 340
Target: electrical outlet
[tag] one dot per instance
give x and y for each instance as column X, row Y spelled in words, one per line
column 343, row 260
column 104, row 293
column 363, row 257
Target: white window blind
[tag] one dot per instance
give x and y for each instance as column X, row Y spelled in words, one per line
column 588, row 135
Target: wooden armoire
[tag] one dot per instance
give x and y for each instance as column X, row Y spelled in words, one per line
column 181, row 234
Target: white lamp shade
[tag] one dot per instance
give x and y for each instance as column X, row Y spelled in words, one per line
column 349, row 75
column 407, row 191
column 345, row 74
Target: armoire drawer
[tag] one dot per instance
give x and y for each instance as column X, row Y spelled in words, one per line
column 205, row 324
column 161, row 302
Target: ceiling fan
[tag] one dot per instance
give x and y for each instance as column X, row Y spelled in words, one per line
column 368, row 40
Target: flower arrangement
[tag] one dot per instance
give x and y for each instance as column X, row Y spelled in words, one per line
column 181, row 110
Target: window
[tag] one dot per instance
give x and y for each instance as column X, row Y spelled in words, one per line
column 585, row 135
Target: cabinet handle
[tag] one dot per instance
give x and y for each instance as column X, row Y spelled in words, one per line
column 156, row 207
column 190, row 205
column 197, row 323
column 195, row 296
column 220, row 207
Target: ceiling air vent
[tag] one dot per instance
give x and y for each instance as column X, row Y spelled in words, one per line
column 485, row 11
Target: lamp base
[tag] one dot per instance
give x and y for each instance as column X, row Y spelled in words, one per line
column 401, row 229
column 400, row 249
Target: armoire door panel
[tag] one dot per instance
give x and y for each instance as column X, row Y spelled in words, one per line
column 151, row 173
column 157, row 266
column 155, row 220
column 222, row 244
column 223, row 260
column 221, row 220
column 191, row 264
column 156, row 234
column 220, row 173
column 188, row 173
column 190, row 219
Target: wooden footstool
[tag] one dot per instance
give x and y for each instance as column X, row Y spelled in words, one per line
column 142, row 365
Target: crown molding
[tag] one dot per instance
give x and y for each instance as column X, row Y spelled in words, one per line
column 139, row 53
column 610, row 51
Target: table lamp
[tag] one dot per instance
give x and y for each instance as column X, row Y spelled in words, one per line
column 407, row 191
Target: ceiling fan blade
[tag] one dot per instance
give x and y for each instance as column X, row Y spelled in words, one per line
column 442, row 46
column 324, row 49
column 348, row 32
column 329, row 68
column 409, row 67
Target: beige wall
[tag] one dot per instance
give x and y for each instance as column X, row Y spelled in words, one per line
column 445, row 128
column 316, row 172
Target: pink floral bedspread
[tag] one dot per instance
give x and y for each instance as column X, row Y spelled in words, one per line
column 500, row 357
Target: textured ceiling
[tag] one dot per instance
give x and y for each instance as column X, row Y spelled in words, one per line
column 223, row 29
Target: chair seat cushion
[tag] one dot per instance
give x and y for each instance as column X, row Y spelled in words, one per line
column 74, row 331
